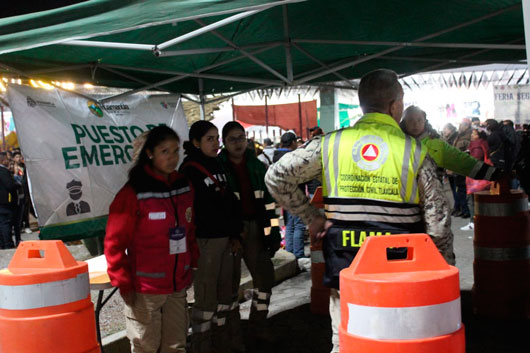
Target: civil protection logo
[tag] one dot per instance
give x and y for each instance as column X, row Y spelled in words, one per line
column 95, row 108
column 370, row 152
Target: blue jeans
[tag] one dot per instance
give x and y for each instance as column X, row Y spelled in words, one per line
column 6, row 216
column 294, row 235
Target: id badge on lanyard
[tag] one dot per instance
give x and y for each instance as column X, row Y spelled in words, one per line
column 177, row 240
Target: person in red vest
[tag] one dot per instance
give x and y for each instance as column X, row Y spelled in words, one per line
column 150, row 245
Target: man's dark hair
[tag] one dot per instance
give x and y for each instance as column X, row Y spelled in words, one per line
column 267, row 142
column 508, row 122
column 377, row 90
column 288, row 139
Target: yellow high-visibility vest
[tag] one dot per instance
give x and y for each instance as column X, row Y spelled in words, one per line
column 372, row 160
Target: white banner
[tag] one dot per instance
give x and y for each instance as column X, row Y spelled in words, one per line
column 78, row 153
column 512, row 103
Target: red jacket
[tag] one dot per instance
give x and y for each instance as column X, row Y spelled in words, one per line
column 137, row 235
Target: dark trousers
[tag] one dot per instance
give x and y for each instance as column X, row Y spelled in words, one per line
column 17, row 222
column 6, row 219
column 461, row 194
column 452, row 183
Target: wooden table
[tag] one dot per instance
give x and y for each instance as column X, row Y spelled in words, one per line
column 100, row 281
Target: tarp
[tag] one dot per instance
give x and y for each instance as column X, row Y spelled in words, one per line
column 298, row 43
column 79, row 156
column 290, row 116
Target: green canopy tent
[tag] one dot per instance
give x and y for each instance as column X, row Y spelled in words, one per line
column 209, row 47
column 212, row 46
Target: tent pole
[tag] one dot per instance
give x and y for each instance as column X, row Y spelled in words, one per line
column 128, row 93
column 210, row 27
column 107, row 67
column 132, row 78
column 201, row 95
column 3, row 128
column 233, row 111
column 478, row 52
column 415, row 44
column 288, row 57
column 218, row 50
column 236, row 94
column 446, row 61
column 266, row 116
column 110, row 68
column 393, row 49
column 247, row 54
column 526, row 19
column 300, row 114
column 115, row 45
column 182, row 75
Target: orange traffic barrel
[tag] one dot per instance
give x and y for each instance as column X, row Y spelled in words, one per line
column 319, row 293
column 45, row 302
column 408, row 305
column 501, row 266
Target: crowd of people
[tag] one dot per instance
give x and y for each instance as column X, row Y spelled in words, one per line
column 463, row 155
column 14, row 199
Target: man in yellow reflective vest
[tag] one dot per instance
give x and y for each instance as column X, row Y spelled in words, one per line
column 376, row 181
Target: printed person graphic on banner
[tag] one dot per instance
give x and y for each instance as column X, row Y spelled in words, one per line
column 76, row 207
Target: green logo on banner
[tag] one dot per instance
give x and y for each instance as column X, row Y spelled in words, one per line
column 95, row 109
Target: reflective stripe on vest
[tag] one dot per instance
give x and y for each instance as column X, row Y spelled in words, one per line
column 502, row 254
column 406, row 323
column 41, row 295
column 375, row 213
column 501, row 209
column 270, row 206
column 162, row 195
column 349, row 171
column 389, row 218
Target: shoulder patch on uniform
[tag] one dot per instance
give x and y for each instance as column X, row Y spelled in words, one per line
column 189, row 213
column 370, row 152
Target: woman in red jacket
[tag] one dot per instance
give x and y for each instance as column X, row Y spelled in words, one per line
column 478, row 148
column 150, row 245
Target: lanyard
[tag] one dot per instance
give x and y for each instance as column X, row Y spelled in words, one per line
column 175, row 209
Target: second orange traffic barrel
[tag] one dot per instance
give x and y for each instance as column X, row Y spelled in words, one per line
column 45, row 302
column 501, row 268
column 410, row 305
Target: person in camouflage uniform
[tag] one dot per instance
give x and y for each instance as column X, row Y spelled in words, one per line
column 381, row 98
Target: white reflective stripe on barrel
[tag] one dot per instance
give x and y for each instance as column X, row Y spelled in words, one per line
column 502, row 254
column 406, row 323
column 41, row 295
column 317, row 257
column 501, row 209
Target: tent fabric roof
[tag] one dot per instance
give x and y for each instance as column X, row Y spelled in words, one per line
column 288, row 43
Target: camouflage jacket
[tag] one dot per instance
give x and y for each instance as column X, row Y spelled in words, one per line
column 305, row 164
